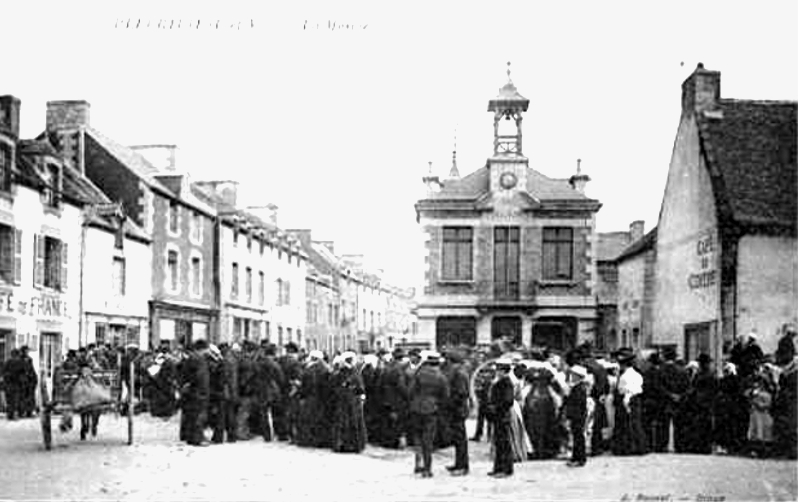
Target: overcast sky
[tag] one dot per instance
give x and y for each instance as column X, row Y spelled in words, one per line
column 336, row 126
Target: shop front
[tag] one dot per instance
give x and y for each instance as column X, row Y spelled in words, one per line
column 40, row 321
column 179, row 324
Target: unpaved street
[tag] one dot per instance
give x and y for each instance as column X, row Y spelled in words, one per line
column 158, row 467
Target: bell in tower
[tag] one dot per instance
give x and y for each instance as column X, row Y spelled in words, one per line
column 507, row 106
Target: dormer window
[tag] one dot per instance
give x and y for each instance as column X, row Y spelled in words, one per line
column 6, row 163
column 51, row 193
column 174, row 217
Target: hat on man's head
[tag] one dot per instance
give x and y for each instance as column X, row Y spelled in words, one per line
column 669, row 354
column 415, row 351
column 200, row 344
column 291, row 348
column 703, row 358
column 398, row 353
column 624, row 355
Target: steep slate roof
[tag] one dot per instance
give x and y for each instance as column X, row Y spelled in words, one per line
column 75, row 187
column 476, row 184
column 640, row 245
column 610, row 244
column 751, row 151
column 131, row 159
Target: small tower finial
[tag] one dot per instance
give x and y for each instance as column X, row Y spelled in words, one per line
column 578, row 166
column 454, row 172
column 508, row 72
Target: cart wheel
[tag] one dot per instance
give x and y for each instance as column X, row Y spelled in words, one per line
column 47, row 427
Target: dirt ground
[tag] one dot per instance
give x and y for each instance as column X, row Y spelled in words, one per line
column 158, row 467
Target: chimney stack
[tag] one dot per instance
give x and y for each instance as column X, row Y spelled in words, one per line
column 9, row 115
column 267, row 213
column 67, row 115
column 65, row 123
column 637, row 229
column 701, row 90
column 579, row 180
column 162, row 157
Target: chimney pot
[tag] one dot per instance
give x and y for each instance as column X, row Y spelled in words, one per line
column 637, row 230
column 9, row 114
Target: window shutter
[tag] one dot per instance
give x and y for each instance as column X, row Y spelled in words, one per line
column 6, row 253
column 38, row 264
column 17, row 256
column 64, row 254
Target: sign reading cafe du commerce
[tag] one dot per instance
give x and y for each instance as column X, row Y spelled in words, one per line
column 707, row 274
column 43, row 305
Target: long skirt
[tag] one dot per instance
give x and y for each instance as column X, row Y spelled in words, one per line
column 520, row 440
column 540, row 421
column 629, row 438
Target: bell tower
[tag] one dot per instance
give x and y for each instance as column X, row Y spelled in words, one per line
column 508, row 164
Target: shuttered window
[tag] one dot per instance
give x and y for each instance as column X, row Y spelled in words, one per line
column 17, row 256
column 38, row 261
column 457, row 253
column 7, row 253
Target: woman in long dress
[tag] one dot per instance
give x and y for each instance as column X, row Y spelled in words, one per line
column 349, row 427
column 520, row 441
column 540, row 413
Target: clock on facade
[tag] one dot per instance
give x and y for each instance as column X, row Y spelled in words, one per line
column 508, row 180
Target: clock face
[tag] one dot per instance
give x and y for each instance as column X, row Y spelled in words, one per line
column 508, row 180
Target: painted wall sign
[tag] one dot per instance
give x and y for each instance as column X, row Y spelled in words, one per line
column 44, row 305
column 707, row 276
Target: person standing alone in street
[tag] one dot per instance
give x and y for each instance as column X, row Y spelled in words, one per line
column 429, row 391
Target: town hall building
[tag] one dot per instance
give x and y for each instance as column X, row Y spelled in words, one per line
column 509, row 251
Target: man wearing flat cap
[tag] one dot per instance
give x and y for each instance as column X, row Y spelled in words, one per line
column 429, row 392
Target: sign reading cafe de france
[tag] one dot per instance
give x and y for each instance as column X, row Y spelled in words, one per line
column 43, row 305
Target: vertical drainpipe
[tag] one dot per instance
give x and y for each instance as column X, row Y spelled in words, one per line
column 217, row 264
column 83, row 224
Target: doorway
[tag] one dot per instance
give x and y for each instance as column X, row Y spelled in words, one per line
column 555, row 333
column 506, row 328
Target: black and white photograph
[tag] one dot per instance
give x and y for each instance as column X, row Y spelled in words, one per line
column 354, row 250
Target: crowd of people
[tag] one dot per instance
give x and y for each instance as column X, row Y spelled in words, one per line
column 19, row 380
column 531, row 404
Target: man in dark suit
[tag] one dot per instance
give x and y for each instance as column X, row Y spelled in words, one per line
column 285, row 408
column 195, row 394
column 269, row 384
column 429, row 391
column 674, row 383
column 457, row 408
column 576, row 414
column 394, row 400
column 500, row 402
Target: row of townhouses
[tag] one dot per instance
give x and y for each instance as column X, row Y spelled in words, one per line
column 106, row 243
column 512, row 253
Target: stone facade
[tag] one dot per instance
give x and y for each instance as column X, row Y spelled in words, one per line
column 527, row 271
